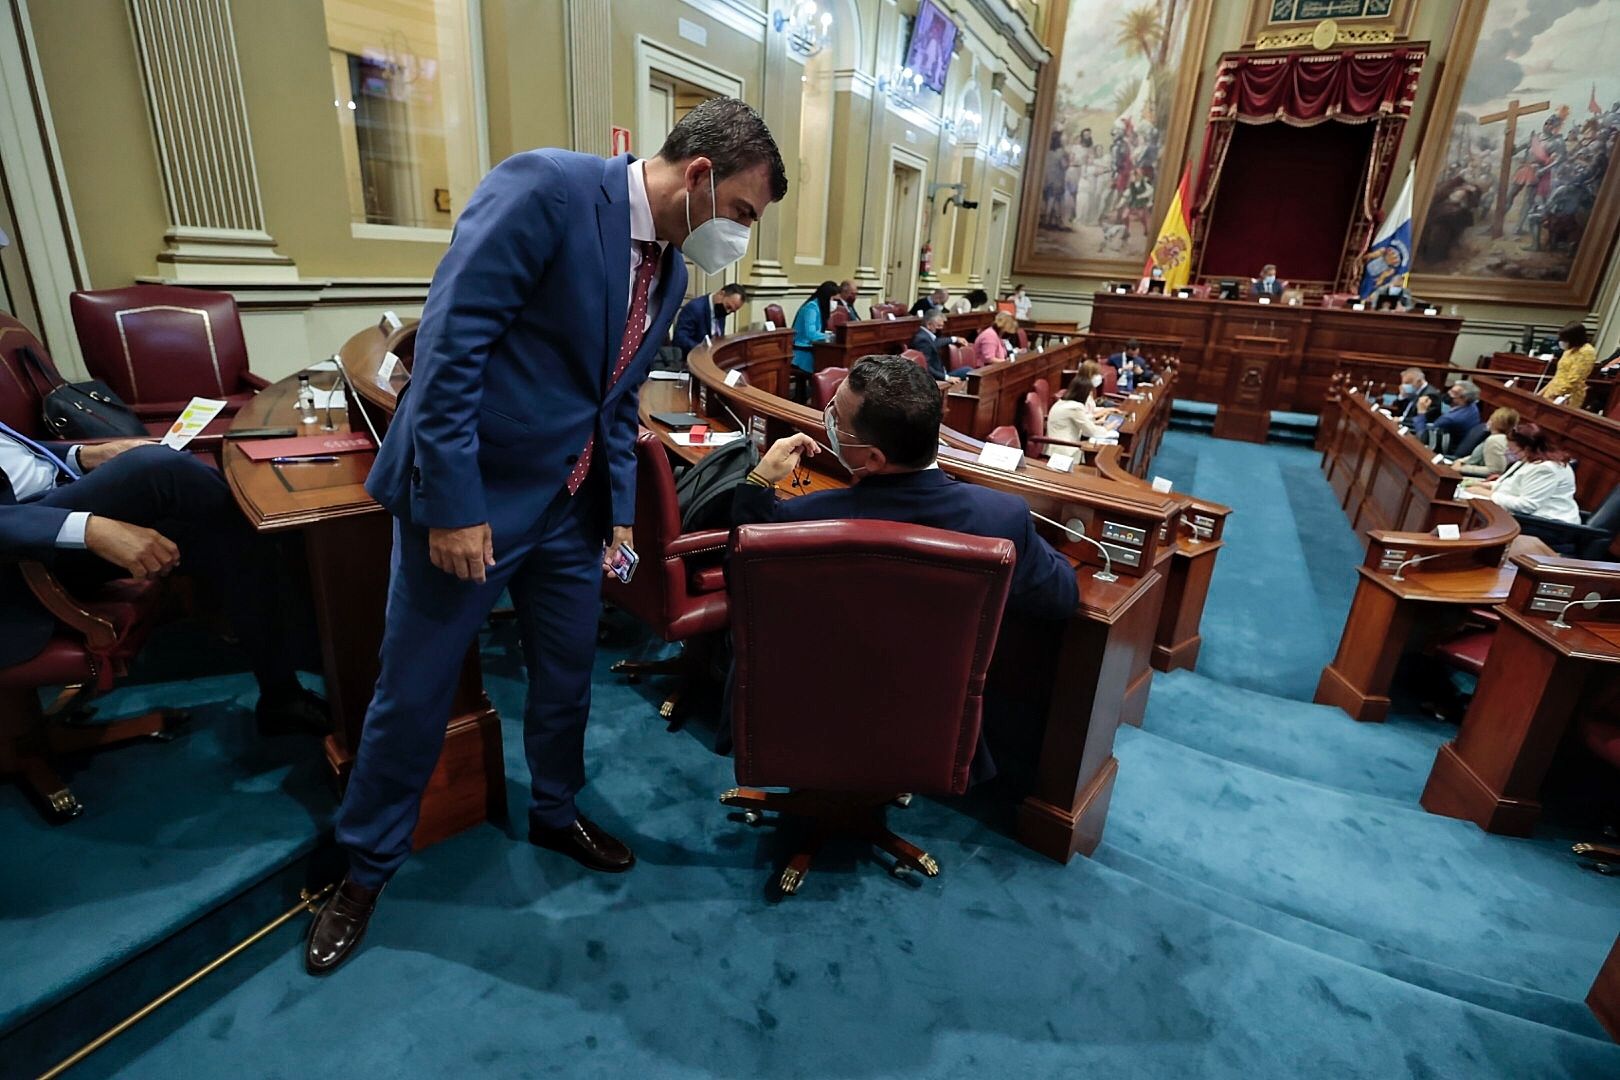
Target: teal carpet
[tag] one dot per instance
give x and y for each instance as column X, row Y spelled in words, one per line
column 1269, row 901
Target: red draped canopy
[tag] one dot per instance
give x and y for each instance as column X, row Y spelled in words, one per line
column 1301, row 89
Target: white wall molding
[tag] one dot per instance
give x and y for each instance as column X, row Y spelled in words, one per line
column 47, row 235
column 589, row 28
column 745, row 19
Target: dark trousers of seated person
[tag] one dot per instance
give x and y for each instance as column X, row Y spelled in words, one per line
column 189, row 502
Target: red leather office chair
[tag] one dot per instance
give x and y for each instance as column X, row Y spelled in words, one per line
column 1006, row 435
column 1023, row 340
column 849, row 738
column 1032, row 416
column 1338, row 299
column 1110, row 375
column 1601, row 736
column 915, row 357
column 839, row 317
column 679, row 588
column 776, row 316
column 95, row 640
column 825, row 383
column 1043, row 390
column 158, row 346
column 19, row 397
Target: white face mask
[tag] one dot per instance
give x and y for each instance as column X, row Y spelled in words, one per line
column 1096, row 380
column 718, row 242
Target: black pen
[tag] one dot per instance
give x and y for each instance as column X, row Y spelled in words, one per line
column 327, row 458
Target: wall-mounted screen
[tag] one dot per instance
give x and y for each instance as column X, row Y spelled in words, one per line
column 933, row 36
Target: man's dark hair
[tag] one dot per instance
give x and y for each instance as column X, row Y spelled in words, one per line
column 732, row 135
column 735, row 290
column 1133, row 346
column 900, row 409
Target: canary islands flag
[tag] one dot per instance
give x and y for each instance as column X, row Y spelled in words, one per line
column 1389, row 256
column 1172, row 251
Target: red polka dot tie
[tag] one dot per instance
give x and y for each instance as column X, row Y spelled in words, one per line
column 635, row 328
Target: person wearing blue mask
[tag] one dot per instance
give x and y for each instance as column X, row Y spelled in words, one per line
column 1417, row 398
column 1267, row 284
column 510, row 463
column 1455, row 421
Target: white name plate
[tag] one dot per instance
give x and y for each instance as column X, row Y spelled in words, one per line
column 996, row 456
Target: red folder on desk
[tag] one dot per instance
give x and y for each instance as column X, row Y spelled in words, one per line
column 305, row 446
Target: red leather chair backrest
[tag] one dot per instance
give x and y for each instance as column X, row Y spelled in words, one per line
column 1110, row 375
column 908, row 722
column 839, row 316
column 1032, row 418
column 915, row 357
column 1006, row 435
column 776, row 316
column 161, row 343
column 1043, row 390
column 825, row 383
column 1023, row 339
column 961, row 356
column 19, row 398
column 659, row 584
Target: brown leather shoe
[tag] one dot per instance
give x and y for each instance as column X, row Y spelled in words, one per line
column 339, row 926
column 587, row 843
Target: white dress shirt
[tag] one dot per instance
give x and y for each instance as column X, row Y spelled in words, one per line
column 641, row 229
column 31, row 476
column 1542, row 488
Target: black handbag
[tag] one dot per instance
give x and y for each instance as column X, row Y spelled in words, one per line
column 86, row 410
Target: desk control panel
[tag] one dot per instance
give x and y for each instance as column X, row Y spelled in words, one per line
column 1124, row 542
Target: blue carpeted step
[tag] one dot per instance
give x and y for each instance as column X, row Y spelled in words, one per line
column 1518, row 912
column 1295, row 739
column 171, row 831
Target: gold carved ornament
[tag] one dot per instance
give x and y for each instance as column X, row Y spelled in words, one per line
column 1325, row 35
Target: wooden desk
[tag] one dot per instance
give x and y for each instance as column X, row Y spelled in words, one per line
column 991, row 396
column 1600, row 395
column 1593, row 440
column 347, row 538
column 1537, row 676
column 1312, row 339
column 1604, row 998
column 866, row 337
column 1385, row 478
column 1082, row 682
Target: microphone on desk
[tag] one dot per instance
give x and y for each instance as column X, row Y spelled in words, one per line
column 1546, row 369
column 1559, row 622
column 1414, row 560
column 1107, row 573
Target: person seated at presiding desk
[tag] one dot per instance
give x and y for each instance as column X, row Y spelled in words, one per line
column 935, row 299
column 1267, row 284
column 810, row 325
column 1489, row 458
column 705, row 316
column 1076, row 415
column 1391, row 296
column 883, row 426
column 1456, row 420
column 932, row 341
column 847, row 295
column 1130, row 363
column 992, row 343
column 1574, row 367
column 1417, row 398
column 1539, row 480
column 132, row 508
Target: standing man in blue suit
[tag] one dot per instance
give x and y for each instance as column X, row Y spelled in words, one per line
column 510, row 462
column 705, row 316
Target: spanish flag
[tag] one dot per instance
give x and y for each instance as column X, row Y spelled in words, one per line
column 1172, row 251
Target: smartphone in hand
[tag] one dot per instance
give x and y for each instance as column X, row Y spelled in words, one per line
column 624, row 563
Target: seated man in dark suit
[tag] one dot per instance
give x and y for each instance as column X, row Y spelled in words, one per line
column 1391, row 296
column 131, row 508
column 705, row 316
column 883, row 425
column 1418, row 399
column 932, row 341
column 1131, row 365
column 933, row 300
column 1267, row 284
column 847, row 295
column 1456, row 421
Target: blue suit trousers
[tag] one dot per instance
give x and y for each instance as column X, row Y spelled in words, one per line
column 555, row 577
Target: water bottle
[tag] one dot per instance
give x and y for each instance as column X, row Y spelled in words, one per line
column 306, row 400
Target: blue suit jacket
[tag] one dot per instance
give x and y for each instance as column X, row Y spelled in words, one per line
column 516, row 347
column 695, row 322
column 27, row 531
column 1043, row 583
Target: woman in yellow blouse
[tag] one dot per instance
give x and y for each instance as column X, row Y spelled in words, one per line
column 1573, row 367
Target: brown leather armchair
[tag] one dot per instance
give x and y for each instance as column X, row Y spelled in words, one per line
column 852, row 735
column 679, row 587
column 94, row 642
column 825, row 383
column 158, row 346
column 776, row 316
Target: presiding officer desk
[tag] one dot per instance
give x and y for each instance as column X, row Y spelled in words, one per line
column 348, row 539
column 1078, row 683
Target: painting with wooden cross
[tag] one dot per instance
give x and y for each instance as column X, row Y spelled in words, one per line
column 1517, row 192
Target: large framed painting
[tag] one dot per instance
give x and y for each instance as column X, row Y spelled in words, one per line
column 1110, row 137
column 1291, row 23
column 1517, row 196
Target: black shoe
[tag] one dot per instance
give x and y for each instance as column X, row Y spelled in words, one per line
column 297, row 712
column 339, row 926
column 586, row 843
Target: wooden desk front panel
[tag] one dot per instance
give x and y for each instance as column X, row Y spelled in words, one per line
column 867, row 337
column 1593, row 440
column 1209, row 330
column 1386, row 480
